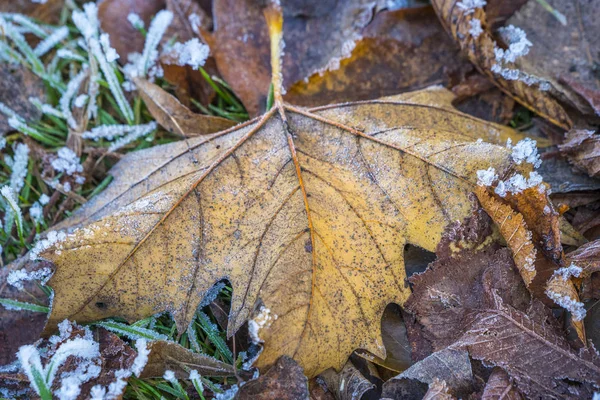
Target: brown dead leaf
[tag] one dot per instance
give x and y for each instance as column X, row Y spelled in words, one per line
column 531, row 350
column 563, row 292
column 451, row 366
column 306, row 212
column 514, row 230
column 438, row 390
column 480, row 51
column 498, row 11
column 582, row 148
column 348, row 384
column 47, row 11
column 19, row 327
column 174, row 116
column 445, row 293
column 318, row 34
column 393, row 332
column 566, row 55
column 112, row 15
column 165, row 355
column 500, row 387
column 189, row 19
column 400, row 50
column 586, row 257
column 284, row 380
column 17, row 85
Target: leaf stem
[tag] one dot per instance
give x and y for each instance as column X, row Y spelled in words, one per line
column 274, row 17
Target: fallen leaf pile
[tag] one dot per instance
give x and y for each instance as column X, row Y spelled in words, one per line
column 379, row 242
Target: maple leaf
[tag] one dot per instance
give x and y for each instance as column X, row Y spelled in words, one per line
column 306, row 212
column 466, row 23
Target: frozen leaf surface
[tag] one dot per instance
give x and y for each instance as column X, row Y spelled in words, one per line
column 306, row 212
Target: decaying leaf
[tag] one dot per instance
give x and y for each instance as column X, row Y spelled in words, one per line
column 438, row 390
column 395, row 340
column 284, row 380
column 531, row 350
column 499, row 387
column 514, row 230
column 112, row 15
column 47, row 11
column 479, row 46
column 582, row 147
column 165, row 355
column 318, row 34
column 348, row 384
column 189, row 20
column 399, row 50
column 279, row 206
column 19, row 327
column 451, row 366
column 586, row 257
column 174, row 116
column 217, row 204
column 567, row 54
column 17, row 85
column 445, row 293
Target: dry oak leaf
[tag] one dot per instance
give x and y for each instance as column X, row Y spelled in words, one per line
column 479, row 48
column 307, row 211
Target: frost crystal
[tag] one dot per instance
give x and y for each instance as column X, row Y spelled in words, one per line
column 36, row 211
column 475, row 29
column 518, row 45
column 17, row 277
column 19, row 167
column 51, row 41
column 87, row 351
column 576, row 308
column 67, row 162
column 566, row 272
column 65, row 100
column 44, row 199
column 135, row 21
column 526, row 150
column 157, row 29
column 109, row 132
column 111, row 53
column 170, row 376
column 194, row 20
column 192, row 53
column 141, row 360
column 69, row 55
column 263, row 319
column 81, row 100
column 517, row 183
column 486, row 177
column 14, row 210
column 53, row 238
column 470, row 5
